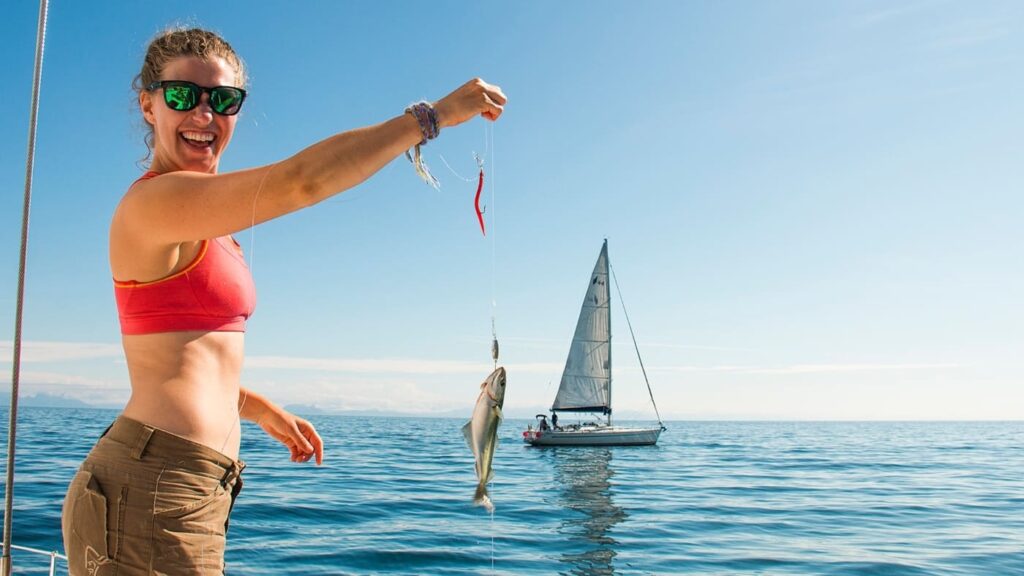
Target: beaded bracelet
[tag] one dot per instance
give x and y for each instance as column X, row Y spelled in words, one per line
column 426, row 117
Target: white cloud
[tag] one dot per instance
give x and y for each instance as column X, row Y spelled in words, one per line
column 97, row 391
column 805, row 368
column 388, row 365
column 823, row 368
column 46, row 378
column 644, row 345
column 32, row 351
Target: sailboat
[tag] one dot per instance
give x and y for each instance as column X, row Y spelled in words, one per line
column 586, row 384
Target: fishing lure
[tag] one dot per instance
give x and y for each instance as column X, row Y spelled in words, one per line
column 479, row 189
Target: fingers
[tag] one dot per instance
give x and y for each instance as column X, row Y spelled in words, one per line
column 313, row 440
column 318, row 446
column 306, row 442
column 473, row 98
column 299, row 437
column 493, row 110
column 494, row 101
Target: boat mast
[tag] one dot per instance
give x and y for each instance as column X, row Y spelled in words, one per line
column 608, row 298
column 5, row 561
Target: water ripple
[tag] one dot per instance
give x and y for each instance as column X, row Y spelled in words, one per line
column 394, row 497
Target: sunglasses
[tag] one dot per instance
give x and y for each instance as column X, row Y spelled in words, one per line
column 183, row 96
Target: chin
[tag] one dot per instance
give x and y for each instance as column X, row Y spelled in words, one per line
column 193, row 164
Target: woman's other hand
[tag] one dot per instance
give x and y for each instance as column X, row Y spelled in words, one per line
column 296, row 433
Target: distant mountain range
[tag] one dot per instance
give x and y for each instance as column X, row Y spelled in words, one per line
column 49, row 401
column 528, row 413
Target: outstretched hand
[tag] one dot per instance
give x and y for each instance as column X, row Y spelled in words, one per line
column 472, row 98
column 296, row 433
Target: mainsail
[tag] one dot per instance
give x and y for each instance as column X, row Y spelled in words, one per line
column 587, row 379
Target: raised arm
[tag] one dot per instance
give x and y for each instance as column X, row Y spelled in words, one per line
column 187, row 206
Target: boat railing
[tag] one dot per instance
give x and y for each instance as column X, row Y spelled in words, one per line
column 53, row 554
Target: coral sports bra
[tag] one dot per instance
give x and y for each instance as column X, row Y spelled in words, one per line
column 215, row 292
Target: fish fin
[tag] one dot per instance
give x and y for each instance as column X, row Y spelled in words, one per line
column 481, row 498
column 499, row 414
column 490, row 477
column 467, row 433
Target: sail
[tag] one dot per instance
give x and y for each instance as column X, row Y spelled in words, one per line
column 587, row 379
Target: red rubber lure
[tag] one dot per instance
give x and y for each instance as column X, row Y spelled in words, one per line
column 476, row 201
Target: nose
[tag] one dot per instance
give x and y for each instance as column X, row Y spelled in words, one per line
column 203, row 112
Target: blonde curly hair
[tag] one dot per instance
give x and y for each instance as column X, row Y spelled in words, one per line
column 177, row 42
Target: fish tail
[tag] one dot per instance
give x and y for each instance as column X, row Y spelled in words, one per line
column 482, row 498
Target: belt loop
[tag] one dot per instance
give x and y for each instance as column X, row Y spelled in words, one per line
column 141, row 441
column 232, row 473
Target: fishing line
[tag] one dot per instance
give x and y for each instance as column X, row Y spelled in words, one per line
column 252, row 222
column 489, row 146
column 452, row 170
column 252, row 271
column 489, row 156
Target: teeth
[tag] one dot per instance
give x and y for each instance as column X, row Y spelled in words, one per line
column 198, row 136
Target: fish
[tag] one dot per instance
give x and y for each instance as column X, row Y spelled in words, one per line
column 481, row 432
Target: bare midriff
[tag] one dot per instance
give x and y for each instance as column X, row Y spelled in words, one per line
column 187, row 383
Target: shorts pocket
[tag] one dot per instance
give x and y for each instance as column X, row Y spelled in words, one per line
column 179, row 492
column 87, row 539
column 189, row 524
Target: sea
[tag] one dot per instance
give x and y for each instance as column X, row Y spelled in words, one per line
column 394, row 496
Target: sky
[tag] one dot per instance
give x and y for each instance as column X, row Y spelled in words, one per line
column 812, row 208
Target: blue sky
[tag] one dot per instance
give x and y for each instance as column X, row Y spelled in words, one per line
column 813, row 209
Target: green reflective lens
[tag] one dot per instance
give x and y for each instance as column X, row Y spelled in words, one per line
column 225, row 100
column 181, row 97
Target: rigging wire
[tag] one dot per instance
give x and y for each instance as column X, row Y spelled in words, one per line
column 637, row 348
column 5, row 562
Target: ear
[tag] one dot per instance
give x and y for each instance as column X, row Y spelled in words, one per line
column 146, row 105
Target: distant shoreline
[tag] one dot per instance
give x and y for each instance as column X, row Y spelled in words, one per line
column 33, row 402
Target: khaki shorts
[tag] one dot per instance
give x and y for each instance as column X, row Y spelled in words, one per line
column 146, row 501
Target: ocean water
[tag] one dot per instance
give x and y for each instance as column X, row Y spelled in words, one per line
column 394, row 497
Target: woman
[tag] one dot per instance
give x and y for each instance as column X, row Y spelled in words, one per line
column 154, row 494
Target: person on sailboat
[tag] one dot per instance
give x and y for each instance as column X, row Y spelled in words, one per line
column 155, row 493
column 554, row 421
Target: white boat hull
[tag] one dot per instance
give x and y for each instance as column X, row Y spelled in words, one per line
column 593, row 436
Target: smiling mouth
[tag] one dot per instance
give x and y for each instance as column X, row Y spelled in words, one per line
column 200, row 140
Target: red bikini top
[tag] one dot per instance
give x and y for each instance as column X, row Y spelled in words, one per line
column 215, row 292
